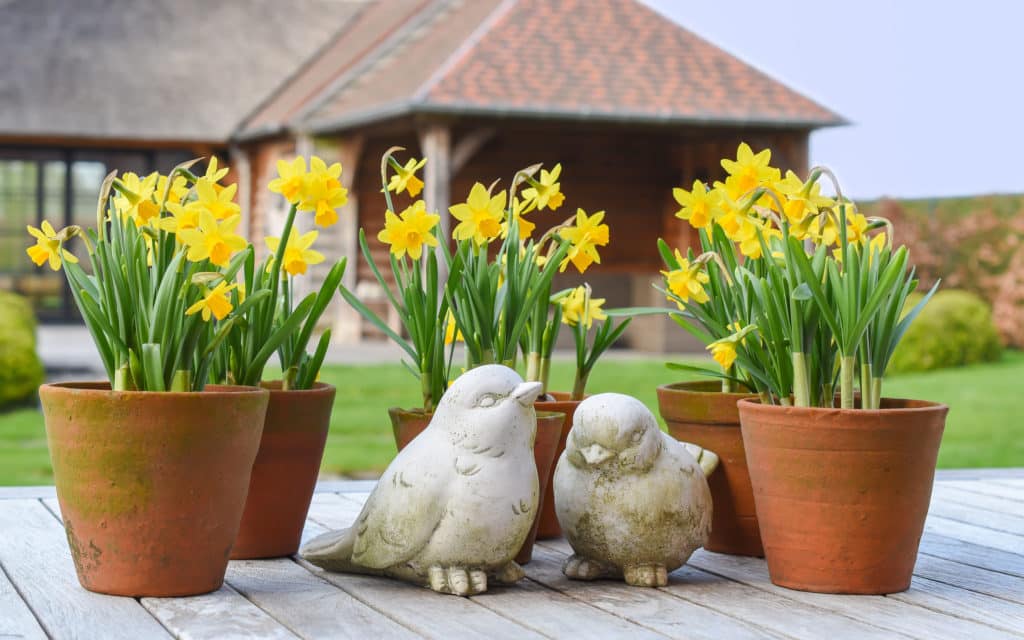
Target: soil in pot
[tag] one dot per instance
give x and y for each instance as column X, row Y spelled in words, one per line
column 152, row 485
column 700, row 413
column 842, row 495
column 548, row 527
column 549, row 431
column 285, row 472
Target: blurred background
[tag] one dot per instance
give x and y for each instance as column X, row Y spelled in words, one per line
column 912, row 104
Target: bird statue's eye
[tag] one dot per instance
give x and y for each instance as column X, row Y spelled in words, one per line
column 487, row 400
column 636, row 436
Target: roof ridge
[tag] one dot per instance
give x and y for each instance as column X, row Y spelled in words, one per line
column 463, row 49
column 283, row 85
column 395, row 36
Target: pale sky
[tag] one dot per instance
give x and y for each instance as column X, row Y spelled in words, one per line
column 934, row 89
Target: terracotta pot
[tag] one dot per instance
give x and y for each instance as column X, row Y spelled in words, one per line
column 152, row 485
column 549, row 527
column 409, row 424
column 549, row 432
column 842, row 495
column 285, row 472
column 700, row 413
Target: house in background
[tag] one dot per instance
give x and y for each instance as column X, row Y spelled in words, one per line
column 630, row 103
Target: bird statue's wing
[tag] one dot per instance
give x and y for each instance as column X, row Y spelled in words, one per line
column 404, row 509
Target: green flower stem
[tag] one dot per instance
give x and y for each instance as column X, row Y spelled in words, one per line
column 801, row 388
column 181, row 380
column 533, row 367
column 579, row 386
column 866, row 396
column 122, row 379
column 847, row 372
column 876, row 392
column 727, row 386
column 545, row 372
column 426, row 389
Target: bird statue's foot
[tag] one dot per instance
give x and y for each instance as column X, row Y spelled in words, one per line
column 457, row 581
column 511, row 573
column 580, row 568
column 646, row 575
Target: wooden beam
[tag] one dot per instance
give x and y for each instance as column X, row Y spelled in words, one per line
column 468, row 146
column 436, row 144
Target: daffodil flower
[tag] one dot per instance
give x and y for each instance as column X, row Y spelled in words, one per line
column 479, row 216
column 687, row 281
column 584, row 239
column 322, row 192
column 723, row 352
column 405, row 178
column 451, row 332
column 219, row 202
column 578, row 307
column 175, row 194
column 214, row 174
column 409, row 231
column 546, row 192
column 297, row 253
column 526, row 227
column 750, row 170
column 47, row 247
column 182, row 218
column 135, row 199
column 289, row 179
column 700, row 206
column 215, row 302
column 212, row 239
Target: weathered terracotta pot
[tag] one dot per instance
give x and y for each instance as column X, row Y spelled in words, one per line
column 549, row 527
column 409, row 424
column 549, row 432
column 285, row 472
column 842, row 495
column 700, row 413
column 152, row 485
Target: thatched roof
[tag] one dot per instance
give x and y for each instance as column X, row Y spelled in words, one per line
column 184, row 70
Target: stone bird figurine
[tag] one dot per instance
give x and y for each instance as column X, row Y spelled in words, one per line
column 634, row 502
column 453, row 508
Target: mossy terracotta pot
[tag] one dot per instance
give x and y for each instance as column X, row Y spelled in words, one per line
column 842, row 495
column 561, row 403
column 549, row 432
column 409, row 424
column 285, row 472
column 152, row 485
column 700, row 413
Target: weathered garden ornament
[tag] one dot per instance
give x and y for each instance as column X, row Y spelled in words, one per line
column 456, row 504
column 634, row 502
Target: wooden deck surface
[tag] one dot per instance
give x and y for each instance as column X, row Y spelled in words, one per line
column 969, row 583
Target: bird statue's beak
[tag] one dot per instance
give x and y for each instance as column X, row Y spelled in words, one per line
column 595, row 454
column 527, row 393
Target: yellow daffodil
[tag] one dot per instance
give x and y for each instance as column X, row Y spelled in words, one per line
column 479, row 216
column 751, row 170
column 547, row 191
column 409, row 231
column 800, row 199
column 182, row 218
column 724, row 352
column 824, row 230
column 215, row 302
column 289, row 179
column 700, row 207
column 218, row 202
column 748, row 239
column 214, row 174
column 136, row 201
column 579, row 307
column 584, row 239
column 213, row 239
column 177, row 192
column 526, row 227
column 856, row 228
column 297, row 253
column 405, row 178
column 322, row 192
column 47, row 247
column 687, row 281
column 451, row 332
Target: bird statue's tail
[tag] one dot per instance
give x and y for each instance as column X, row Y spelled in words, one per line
column 331, row 551
column 708, row 460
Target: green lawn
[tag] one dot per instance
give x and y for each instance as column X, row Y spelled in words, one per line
column 984, row 428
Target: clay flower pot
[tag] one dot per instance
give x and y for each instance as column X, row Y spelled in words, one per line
column 152, row 485
column 549, row 527
column 842, row 495
column 549, row 433
column 700, row 413
column 409, row 424
column 285, row 472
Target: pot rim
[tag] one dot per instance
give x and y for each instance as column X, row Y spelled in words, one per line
column 679, row 387
column 318, row 388
column 550, row 414
column 101, row 388
column 923, row 406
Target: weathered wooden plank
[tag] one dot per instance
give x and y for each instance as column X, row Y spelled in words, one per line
column 880, row 611
column 951, row 600
column 428, row 614
column 27, row 493
column 987, row 487
column 975, row 534
column 993, row 583
column 972, row 554
column 221, row 614
column 947, row 506
column 994, row 473
column 306, row 604
column 1016, row 482
column 34, row 553
column 16, row 619
column 944, row 493
column 650, row 608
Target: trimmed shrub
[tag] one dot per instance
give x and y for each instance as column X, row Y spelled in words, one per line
column 21, row 371
column 955, row 328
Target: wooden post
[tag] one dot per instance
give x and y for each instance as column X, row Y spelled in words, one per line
column 435, row 142
column 240, row 162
